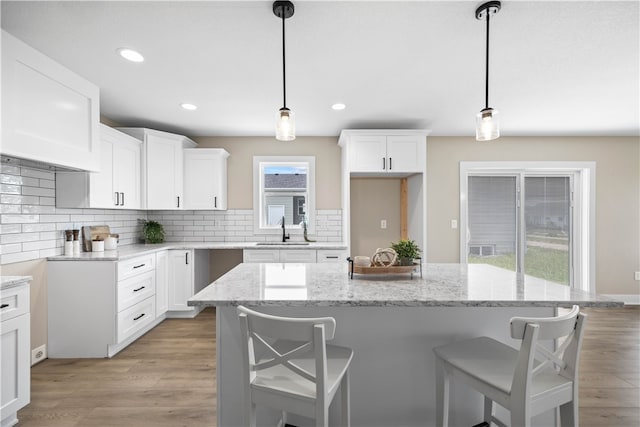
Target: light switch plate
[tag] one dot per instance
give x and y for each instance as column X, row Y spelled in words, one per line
column 637, row 275
column 383, row 223
column 454, row 223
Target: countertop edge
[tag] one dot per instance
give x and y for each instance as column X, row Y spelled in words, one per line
column 132, row 251
column 8, row 282
column 434, row 303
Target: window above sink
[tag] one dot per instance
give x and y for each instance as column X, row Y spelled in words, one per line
column 283, row 187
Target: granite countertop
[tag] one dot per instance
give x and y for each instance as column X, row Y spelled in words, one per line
column 7, row 282
column 473, row 285
column 131, row 251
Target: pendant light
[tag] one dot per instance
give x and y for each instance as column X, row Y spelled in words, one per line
column 488, row 119
column 285, row 119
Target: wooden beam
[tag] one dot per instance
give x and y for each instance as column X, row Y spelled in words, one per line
column 403, row 208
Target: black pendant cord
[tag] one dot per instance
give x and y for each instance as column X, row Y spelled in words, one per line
column 284, row 67
column 486, row 94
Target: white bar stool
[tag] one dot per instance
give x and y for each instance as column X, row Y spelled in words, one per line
column 526, row 382
column 288, row 366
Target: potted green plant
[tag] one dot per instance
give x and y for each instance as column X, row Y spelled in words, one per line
column 153, row 232
column 407, row 251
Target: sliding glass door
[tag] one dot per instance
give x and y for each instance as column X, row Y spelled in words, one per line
column 522, row 222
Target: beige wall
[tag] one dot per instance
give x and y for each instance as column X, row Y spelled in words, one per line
column 38, row 304
column 374, row 199
column 617, row 195
column 240, row 165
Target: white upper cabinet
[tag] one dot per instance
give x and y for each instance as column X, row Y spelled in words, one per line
column 162, row 167
column 380, row 152
column 49, row 113
column 116, row 186
column 205, row 178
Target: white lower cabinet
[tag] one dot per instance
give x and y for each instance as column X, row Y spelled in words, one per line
column 162, row 282
column 188, row 274
column 294, row 255
column 97, row 308
column 15, row 361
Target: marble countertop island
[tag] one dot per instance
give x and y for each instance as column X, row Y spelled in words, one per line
column 391, row 322
column 296, row 285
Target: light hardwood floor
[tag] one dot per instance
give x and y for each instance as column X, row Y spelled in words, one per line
column 167, row 378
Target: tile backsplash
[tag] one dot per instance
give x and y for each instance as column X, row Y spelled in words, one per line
column 31, row 226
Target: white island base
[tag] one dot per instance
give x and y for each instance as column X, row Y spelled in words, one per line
column 392, row 373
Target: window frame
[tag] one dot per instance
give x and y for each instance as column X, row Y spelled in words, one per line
column 583, row 208
column 259, row 163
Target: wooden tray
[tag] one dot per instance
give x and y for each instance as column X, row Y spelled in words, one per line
column 393, row 269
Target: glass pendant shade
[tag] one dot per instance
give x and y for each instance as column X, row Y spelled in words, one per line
column 285, row 125
column 487, row 124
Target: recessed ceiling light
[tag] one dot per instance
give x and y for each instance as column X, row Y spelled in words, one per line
column 130, row 54
column 189, row 106
column 338, row 106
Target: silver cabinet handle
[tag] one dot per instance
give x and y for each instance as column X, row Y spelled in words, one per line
column 178, row 201
column 215, row 201
column 122, row 199
column 390, row 167
column 117, row 199
column 384, row 166
column 186, row 258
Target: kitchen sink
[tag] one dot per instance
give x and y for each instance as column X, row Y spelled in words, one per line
column 282, row 244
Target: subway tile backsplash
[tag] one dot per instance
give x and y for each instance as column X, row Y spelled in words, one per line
column 31, row 227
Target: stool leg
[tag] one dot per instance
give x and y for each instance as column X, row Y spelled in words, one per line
column 442, row 394
column 488, row 410
column 346, row 400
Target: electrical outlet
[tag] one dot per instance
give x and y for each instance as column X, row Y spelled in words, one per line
column 637, row 275
column 383, row 223
column 454, row 223
column 38, row 354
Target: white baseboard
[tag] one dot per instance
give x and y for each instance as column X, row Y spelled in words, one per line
column 629, row 299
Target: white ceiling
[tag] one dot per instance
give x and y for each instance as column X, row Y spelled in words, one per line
column 557, row 68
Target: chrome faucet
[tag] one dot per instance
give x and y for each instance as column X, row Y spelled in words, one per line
column 285, row 237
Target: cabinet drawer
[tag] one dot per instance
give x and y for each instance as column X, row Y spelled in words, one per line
column 14, row 302
column 331, row 255
column 136, row 289
column 135, row 318
column 297, row 255
column 135, row 266
column 261, row 255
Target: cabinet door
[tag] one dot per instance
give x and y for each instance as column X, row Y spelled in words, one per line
column 261, row 255
column 126, row 174
column 368, row 153
column 297, row 255
column 404, row 153
column 101, row 192
column 15, row 364
column 180, row 279
column 164, row 173
column 162, row 282
column 205, row 173
column 49, row 113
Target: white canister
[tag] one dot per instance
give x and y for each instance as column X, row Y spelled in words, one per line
column 76, row 247
column 97, row 246
column 110, row 244
column 68, row 248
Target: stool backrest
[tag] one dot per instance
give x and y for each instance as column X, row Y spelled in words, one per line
column 564, row 360
column 307, row 335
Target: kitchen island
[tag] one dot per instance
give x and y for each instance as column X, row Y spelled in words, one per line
column 391, row 321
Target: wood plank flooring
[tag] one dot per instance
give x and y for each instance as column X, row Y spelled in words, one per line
column 167, row 378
